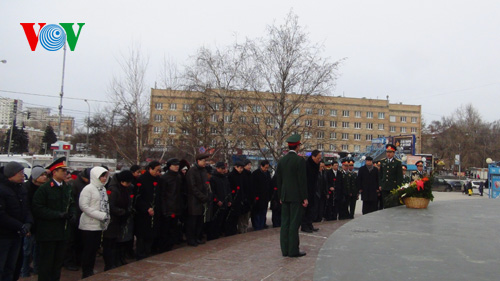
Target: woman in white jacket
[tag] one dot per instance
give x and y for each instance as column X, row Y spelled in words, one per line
column 95, row 217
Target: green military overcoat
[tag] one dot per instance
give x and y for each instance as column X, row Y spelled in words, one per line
column 391, row 174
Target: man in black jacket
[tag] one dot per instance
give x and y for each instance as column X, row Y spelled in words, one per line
column 15, row 217
column 197, row 183
column 367, row 183
column 221, row 202
column 334, row 196
column 171, row 204
column 312, row 172
column 261, row 181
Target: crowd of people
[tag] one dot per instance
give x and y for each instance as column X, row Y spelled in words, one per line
column 60, row 219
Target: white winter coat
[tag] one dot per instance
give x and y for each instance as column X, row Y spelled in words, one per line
column 90, row 201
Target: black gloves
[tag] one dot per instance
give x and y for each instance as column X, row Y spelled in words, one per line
column 25, row 229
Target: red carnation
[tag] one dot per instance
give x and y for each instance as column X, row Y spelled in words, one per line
column 172, row 216
column 329, row 192
column 334, row 179
column 232, row 191
column 215, row 199
column 275, row 188
column 256, row 198
column 139, row 184
column 207, row 182
column 108, row 192
column 131, row 196
column 155, row 183
column 238, row 187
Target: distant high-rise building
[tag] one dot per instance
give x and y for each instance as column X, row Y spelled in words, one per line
column 7, row 107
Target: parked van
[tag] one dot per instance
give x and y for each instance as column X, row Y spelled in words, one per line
column 27, row 166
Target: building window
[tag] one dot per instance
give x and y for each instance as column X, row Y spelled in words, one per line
column 156, row 130
column 392, row 129
column 269, row 132
column 321, row 123
column 357, row 125
column 403, row 119
column 369, row 126
column 414, row 119
column 369, row 114
column 321, row 112
column 243, row 119
column 159, row 106
column 380, row 126
column 297, row 122
column 269, row 121
column 216, row 106
column 369, row 137
column 256, row 108
column 201, row 107
column 185, row 132
column 296, row 111
column 333, row 136
column 173, row 106
column 157, row 141
column 333, row 147
column 333, row 112
column 345, row 124
column 320, row 146
column 320, row 135
column 243, row 108
column 171, row 131
column 357, row 148
column 357, row 114
column 307, row 135
column 413, row 130
column 345, row 136
column 333, row 124
column 309, row 123
column 172, row 118
column 357, row 136
column 392, row 118
column 158, row 117
column 199, row 131
column 241, row 132
column 309, row 111
column 186, row 107
column 228, row 131
column 256, row 120
column 403, row 129
column 214, row 118
column 380, row 136
column 345, row 113
column 213, row 130
column 228, row 119
column 345, row 147
column 270, row 108
column 381, row 115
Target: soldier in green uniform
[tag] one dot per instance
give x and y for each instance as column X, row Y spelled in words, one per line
column 353, row 192
column 292, row 188
column 391, row 173
column 406, row 179
column 53, row 209
column 419, row 173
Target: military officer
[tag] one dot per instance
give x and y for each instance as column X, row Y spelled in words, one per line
column 292, row 188
column 406, row 179
column 391, row 173
column 353, row 194
column 419, row 173
column 54, row 209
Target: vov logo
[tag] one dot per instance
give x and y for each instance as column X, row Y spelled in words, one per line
column 52, row 36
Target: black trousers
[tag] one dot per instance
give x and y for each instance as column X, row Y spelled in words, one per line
column 169, row 233
column 352, row 205
column 109, row 253
column 91, row 243
column 217, row 226
column 310, row 214
column 194, row 226
column 369, row 206
column 143, row 247
column 74, row 248
column 51, row 259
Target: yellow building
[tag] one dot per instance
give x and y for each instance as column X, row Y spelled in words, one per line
column 327, row 123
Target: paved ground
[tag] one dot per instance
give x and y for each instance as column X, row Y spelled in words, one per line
column 251, row 256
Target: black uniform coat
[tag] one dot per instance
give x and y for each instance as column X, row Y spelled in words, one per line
column 148, row 196
column 171, row 197
column 119, row 207
column 312, row 172
column 260, row 192
column 197, row 186
column 49, row 201
column 14, row 209
column 367, row 182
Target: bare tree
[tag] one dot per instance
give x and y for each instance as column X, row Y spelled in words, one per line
column 279, row 64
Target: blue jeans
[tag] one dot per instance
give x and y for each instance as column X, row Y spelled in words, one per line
column 9, row 251
column 30, row 252
column 259, row 219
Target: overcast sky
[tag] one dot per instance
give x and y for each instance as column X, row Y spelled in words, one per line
column 440, row 54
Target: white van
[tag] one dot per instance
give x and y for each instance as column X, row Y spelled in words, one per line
column 4, row 159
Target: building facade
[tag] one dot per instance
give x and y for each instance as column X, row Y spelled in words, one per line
column 327, row 123
column 7, row 108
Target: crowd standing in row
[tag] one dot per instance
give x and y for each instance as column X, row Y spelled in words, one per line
column 53, row 220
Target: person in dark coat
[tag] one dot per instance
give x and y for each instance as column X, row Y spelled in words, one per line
column 171, row 203
column 15, row 218
column 72, row 260
column 30, row 249
column 221, row 202
column 367, row 182
column 54, row 211
column 120, row 209
column 148, row 209
column 197, row 186
column 292, row 187
column 261, row 183
column 322, row 192
column 243, row 220
column 335, row 194
column 240, row 203
column 353, row 194
column 312, row 172
column 390, row 174
column 275, row 204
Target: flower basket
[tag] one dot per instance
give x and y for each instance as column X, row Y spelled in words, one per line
column 416, row 203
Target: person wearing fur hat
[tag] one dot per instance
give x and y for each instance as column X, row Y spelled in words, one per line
column 95, row 217
column 15, row 218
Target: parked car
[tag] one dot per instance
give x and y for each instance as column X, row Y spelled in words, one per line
column 456, row 185
column 441, row 185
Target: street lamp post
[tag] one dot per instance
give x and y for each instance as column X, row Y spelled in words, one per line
column 88, row 125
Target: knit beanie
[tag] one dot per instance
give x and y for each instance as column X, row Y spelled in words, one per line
column 12, row 168
column 36, row 172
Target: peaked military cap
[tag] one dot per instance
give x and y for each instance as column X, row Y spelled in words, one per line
column 419, row 162
column 293, row 139
column 329, row 162
column 390, row 147
column 58, row 163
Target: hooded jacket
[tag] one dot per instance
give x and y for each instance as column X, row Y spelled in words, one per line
column 90, row 203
